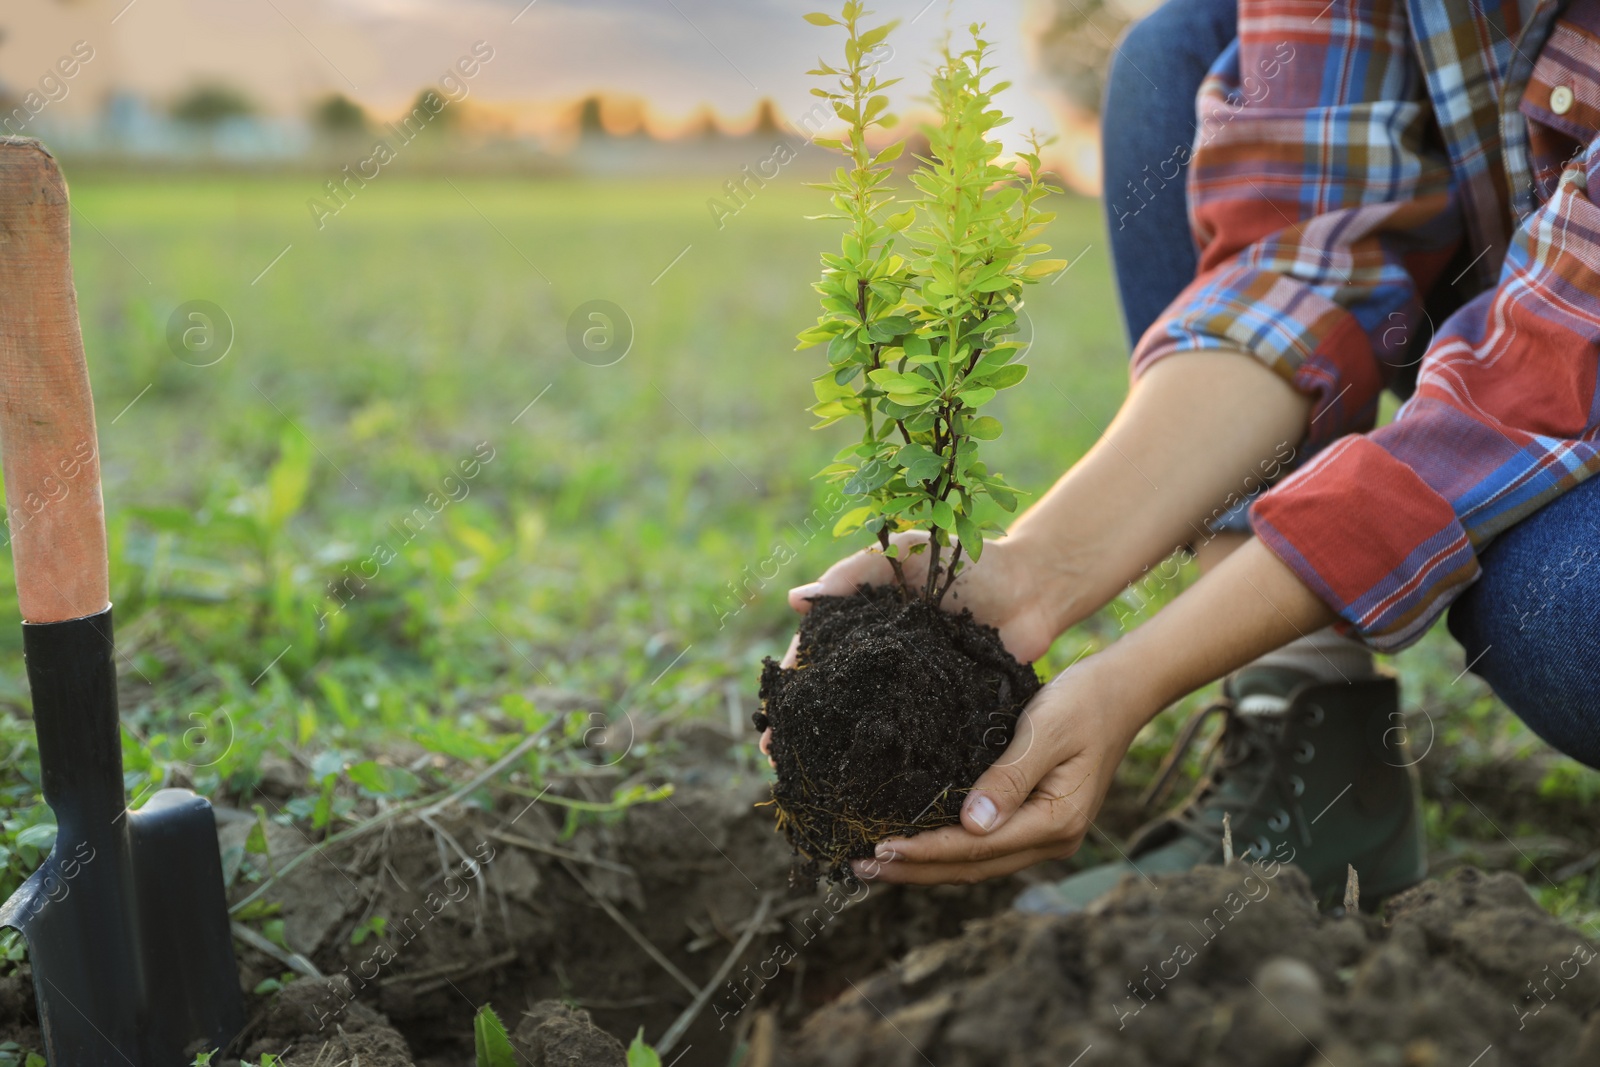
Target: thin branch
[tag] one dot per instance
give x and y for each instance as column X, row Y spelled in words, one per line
column 494, row 768
column 490, row 964
column 429, row 805
column 950, row 574
column 292, row 960
column 518, row 841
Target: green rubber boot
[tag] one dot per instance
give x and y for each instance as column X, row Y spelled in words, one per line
column 1308, row 773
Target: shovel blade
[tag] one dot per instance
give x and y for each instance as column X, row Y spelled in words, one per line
column 129, row 941
column 81, row 955
column 190, row 981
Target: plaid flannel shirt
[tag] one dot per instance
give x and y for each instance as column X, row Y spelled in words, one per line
column 1351, row 156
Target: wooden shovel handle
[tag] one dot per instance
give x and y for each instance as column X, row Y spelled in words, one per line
column 48, row 445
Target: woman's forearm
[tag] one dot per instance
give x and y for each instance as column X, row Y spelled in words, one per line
column 1249, row 605
column 1039, row 798
column 1193, row 430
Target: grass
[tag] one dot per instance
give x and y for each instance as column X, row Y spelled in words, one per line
column 287, row 590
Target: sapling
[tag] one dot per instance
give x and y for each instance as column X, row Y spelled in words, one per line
column 918, row 305
column 897, row 706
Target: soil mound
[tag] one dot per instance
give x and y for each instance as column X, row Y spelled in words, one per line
column 295, row 1026
column 1233, row 967
column 687, row 874
column 894, row 711
column 553, row 1034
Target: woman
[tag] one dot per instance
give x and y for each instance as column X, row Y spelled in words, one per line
column 1281, row 251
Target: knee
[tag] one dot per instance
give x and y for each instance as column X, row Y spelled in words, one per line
column 1529, row 625
column 1182, row 33
column 1156, row 70
column 1137, row 48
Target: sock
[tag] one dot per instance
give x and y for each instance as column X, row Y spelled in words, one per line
column 1325, row 656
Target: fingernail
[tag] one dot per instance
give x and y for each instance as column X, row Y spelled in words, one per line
column 983, row 812
column 806, row 592
column 866, row 870
column 886, row 853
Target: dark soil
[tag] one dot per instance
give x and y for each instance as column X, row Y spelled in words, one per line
column 870, row 974
column 1227, row 967
column 687, row 873
column 286, row 1026
column 553, row 1034
column 895, row 709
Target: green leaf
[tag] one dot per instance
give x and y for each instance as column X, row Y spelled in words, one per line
column 641, row 1054
column 841, row 348
column 984, row 427
column 877, row 33
column 490, row 1040
column 919, row 461
column 944, row 515
column 322, row 813
column 887, row 329
column 377, row 778
column 895, row 382
column 41, row 835
column 971, row 539
column 817, row 18
column 923, row 471
column 1005, row 377
column 289, row 478
column 976, row 396
column 827, row 389
column 1002, row 495
column 255, row 842
column 871, row 476
column 851, row 520
column 375, row 924
column 814, row 335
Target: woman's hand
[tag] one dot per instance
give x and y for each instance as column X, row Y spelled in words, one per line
column 1007, row 588
column 1040, row 798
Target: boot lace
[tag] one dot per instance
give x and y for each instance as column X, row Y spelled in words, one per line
column 1243, row 764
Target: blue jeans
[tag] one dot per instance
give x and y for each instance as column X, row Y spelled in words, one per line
column 1530, row 625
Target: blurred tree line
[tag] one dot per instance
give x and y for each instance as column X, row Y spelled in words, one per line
column 1074, row 40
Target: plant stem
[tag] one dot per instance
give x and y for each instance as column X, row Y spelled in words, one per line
column 933, row 567
column 955, row 559
column 876, row 348
column 899, row 570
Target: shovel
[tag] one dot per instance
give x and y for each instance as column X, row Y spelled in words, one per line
column 126, row 921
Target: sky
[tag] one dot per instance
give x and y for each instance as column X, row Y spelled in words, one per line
column 676, row 55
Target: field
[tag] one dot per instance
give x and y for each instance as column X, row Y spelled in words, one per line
column 400, row 524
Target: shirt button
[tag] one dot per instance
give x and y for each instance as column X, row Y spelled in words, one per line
column 1561, row 99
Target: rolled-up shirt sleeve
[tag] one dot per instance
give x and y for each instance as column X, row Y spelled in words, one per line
column 1321, row 207
column 1386, row 527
